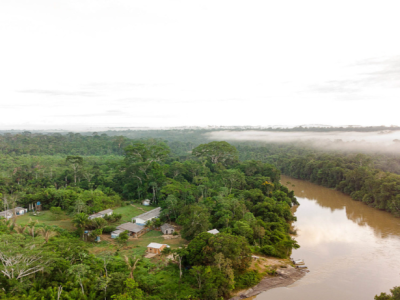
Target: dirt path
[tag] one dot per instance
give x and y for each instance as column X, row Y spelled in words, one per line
column 284, row 277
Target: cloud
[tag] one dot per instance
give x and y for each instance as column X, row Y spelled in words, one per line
column 60, row 93
column 369, row 73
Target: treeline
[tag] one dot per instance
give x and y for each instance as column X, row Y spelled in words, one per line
column 354, row 174
column 209, row 189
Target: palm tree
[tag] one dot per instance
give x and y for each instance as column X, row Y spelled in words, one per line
column 80, row 221
column 47, row 233
column 131, row 264
column 19, row 228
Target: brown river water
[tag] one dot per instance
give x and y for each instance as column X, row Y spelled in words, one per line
column 351, row 250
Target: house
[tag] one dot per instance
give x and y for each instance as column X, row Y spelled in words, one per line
column 147, row 216
column 101, row 214
column 146, row 202
column 213, row 231
column 167, row 228
column 116, row 233
column 7, row 214
column 133, row 229
column 156, row 248
column 20, row 210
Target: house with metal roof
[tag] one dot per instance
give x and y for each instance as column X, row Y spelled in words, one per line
column 156, row 248
column 7, row 214
column 167, row 228
column 213, row 231
column 101, row 214
column 147, row 216
column 133, row 229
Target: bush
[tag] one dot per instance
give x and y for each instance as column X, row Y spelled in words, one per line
column 247, row 279
column 175, row 233
column 56, row 210
column 109, row 229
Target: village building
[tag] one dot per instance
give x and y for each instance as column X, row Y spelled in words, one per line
column 147, row 216
column 213, row 231
column 133, row 229
column 7, row 214
column 156, row 248
column 101, row 214
column 167, row 228
column 146, row 202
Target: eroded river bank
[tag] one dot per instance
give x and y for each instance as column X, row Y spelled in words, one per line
column 351, row 250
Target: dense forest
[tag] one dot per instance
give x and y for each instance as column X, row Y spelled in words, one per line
column 364, row 177
column 75, row 175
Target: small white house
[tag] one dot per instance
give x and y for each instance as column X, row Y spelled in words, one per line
column 101, row 214
column 20, row 210
column 213, row 231
column 143, row 218
column 116, row 233
column 146, row 202
column 167, row 228
column 6, row 214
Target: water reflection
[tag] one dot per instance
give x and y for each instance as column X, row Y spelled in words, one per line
column 381, row 222
column 351, row 250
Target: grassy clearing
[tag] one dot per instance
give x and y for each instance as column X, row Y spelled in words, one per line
column 136, row 246
column 130, row 211
column 48, row 218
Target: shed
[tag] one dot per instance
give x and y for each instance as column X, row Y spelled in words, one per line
column 156, row 248
column 20, row 210
column 134, row 229
column 167, row 228
column 146, row 202
column 6, row 214
column 116, row 233
column 213, row 231
column 101, row 214
column 147, row 216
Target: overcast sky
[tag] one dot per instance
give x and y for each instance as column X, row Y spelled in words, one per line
column 88, row 63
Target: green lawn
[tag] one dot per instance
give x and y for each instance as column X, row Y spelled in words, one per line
column 137, row 246
column 48, row 218
column 129, row 211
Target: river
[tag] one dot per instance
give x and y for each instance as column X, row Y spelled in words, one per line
column 351, row 250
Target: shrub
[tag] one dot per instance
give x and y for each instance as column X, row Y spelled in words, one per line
column 247, row 279
column 56, row 210
column 109, row 229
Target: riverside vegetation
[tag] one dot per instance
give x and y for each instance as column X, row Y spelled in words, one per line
column 74, row 175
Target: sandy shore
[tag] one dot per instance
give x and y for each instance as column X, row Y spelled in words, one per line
column 285, row 276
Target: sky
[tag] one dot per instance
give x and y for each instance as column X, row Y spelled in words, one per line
column 93, row 63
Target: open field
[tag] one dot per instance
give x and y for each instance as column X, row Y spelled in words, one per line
column 48, row 218
column 135, row 246
column 65, row 221
column 132, row 210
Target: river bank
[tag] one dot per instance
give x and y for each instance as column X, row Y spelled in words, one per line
column 286, row 275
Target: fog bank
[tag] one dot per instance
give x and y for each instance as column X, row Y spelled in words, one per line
column 382, row 141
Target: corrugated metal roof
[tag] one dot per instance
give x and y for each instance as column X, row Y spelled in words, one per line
column 154, row 213
column 105, row 211
column 166, row 226
column 132, row 227
column 156, row 245
column 213, row 231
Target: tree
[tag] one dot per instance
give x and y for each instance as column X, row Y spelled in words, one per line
column 20, row 258
column 47, row 232
column 132, row 291
column 76, row 163
column 216, row 152
column 131, row 264
column 79, row 272
column 122, row 239
column 80, row 221
column 194, row 219
column 394, row 295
